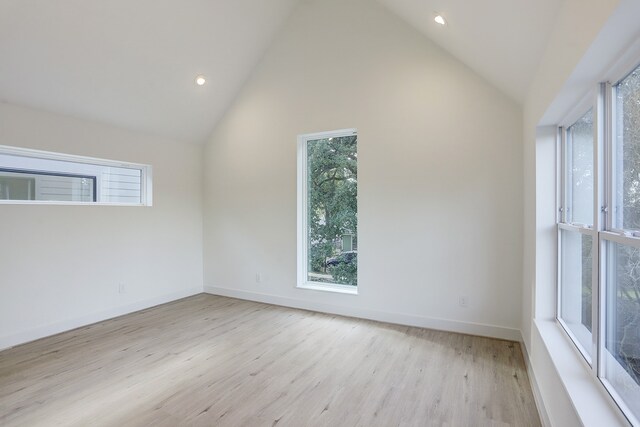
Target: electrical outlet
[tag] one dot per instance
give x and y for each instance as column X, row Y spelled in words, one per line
column 463, row 301
column 121, row 288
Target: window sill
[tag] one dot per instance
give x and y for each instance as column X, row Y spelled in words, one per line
column 340, row 289
column 591, row 401
column 581, row 337
column 60, row 203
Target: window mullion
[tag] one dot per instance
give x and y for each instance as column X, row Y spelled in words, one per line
column 568, row 169
column 562, row 176
column 601, row 187
column 561, row 212
column 609, row 165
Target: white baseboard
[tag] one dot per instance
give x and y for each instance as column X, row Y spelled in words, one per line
column 67, row 325
column 537, row 396
column 381, row 316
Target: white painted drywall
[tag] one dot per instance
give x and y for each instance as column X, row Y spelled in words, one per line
column 61, row 266
column 440, row 177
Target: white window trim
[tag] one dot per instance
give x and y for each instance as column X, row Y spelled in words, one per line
column 302, row 252
column 146, row 188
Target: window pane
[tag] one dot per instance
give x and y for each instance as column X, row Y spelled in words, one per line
column 332, row 187
column 580, row 170
column 120, row 185
column 575, row 286
column 622, row 328
column 16, row 185
column 627, row 152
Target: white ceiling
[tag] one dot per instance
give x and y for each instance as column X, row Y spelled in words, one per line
column 502, row 40
column 133, row 63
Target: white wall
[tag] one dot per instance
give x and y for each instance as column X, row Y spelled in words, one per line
column 60, row 266
column 440, row 175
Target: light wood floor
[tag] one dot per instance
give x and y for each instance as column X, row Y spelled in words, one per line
column 215, row 361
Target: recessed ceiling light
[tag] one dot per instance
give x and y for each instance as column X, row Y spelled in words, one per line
column 439, row 20
column 200, row 80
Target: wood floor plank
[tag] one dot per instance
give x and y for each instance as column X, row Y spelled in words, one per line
column 209, row 360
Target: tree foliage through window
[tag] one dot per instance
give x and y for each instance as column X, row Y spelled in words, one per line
column 624, row 342
column 332, row 183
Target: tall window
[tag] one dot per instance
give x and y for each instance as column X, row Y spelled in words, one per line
column 599, row 239
column 328, row 211
column 621, row 305
column 576, row 233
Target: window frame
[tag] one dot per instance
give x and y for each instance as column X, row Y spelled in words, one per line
column 303, row 237
column 587, row 355
column 604, row 228
column 84, row 164
column 588, row 102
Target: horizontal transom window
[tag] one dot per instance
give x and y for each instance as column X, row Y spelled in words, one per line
column 31, row 176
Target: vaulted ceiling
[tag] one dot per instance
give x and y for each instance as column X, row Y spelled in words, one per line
column 133, row 63
column 502, row 40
